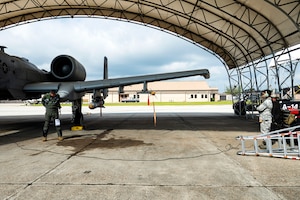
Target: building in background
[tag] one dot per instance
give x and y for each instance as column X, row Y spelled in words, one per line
column 165, row 91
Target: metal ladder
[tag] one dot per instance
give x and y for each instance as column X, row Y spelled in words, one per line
column 286, row 144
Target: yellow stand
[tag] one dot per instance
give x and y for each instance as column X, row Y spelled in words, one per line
column 77, row 128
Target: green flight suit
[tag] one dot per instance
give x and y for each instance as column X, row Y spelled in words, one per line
column 52, row 105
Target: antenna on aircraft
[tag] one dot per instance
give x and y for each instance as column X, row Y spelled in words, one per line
column 2, row 48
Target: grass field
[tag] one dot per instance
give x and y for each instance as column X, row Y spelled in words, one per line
column 156, row 103
column 169, row 103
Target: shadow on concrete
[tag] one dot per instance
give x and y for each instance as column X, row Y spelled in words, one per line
column 20, row 128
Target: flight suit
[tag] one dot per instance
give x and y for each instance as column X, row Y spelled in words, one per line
column 52, row 105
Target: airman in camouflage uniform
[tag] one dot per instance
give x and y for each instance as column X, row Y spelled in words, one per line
column 51, row 102
column 265, row 114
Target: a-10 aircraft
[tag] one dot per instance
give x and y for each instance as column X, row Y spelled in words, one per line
column 21, row 80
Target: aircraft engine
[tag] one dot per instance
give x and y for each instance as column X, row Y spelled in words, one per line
column 67, row 68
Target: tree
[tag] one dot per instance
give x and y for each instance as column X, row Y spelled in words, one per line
column 235, row 90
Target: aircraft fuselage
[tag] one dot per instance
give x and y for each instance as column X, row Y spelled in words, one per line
column 15, row 73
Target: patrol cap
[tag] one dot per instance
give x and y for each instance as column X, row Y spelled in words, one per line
column 268, row 92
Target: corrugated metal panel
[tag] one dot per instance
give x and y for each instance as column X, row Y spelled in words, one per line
column 238, row 31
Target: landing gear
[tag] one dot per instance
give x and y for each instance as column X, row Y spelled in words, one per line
column 77, row 116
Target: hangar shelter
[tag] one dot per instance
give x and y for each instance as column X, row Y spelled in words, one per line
column 255, row 40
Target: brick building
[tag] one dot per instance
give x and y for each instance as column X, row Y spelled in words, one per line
column 165, row 91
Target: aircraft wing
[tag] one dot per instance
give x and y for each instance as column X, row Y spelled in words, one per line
column 110, row 83
column 74, row 90
column 41, row 87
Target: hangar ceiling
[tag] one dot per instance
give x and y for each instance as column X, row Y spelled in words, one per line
column 239, row 32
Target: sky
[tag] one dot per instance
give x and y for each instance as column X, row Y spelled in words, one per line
column 131, row 49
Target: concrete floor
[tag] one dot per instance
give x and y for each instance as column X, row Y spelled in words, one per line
column 189, row 154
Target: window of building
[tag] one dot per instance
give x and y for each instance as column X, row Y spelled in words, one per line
column 136, row 96
column 124, row 95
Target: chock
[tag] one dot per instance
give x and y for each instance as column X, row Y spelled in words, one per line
column 77, row 128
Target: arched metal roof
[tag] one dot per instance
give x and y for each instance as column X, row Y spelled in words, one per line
column 238, row 31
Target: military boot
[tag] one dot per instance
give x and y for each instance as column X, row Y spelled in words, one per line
column 263, row 145
column 44, row 136
column 60, row 138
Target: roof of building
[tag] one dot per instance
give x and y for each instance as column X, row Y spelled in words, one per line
column 171, row 86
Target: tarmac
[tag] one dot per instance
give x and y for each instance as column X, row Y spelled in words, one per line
column 128, row 152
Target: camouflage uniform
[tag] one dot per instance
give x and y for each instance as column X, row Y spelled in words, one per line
column 265, row 115
column 52, row 105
